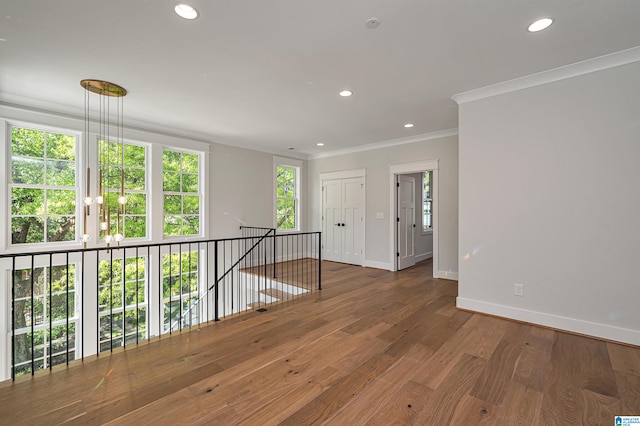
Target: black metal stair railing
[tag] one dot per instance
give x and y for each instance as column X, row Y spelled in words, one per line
column 70, row 304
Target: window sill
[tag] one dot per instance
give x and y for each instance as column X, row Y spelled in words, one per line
column 286, row 231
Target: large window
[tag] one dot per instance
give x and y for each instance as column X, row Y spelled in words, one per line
column 42, row 195
column 45, row 324
column 427, row 201
column 287, row 197
column 180, row 290
column 122, row 302
column 134, row 158
column 180, row 177
column 43, row 186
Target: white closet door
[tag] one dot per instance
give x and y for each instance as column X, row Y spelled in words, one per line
column 343, row 220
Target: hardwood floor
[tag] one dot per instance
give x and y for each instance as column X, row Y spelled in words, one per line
column 373, row 347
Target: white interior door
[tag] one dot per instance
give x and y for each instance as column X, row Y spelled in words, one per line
column 343, row 220
column 332, row 220
column 353, row 221
column 406, row 187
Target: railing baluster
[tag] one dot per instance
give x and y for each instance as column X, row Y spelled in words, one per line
column 81, row 299
column 33, row 360
column 264, row 249
column 111, row 300
column 137, row 301
column 189, row 295
column 180, row 283
column 275, row 253
column 206, row 291
column 298, row 260
column 67, row 308
column 123, row 296
column 98, row 302
column 160, row 293
column 215, row 279
column 319, row 262
column 170, row 287
column 13, row 317
column 50, row 311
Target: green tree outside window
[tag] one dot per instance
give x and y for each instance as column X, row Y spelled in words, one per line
column 181, row 193
column 286, row 197
column 122, row 302
column 44, row 297
column 43, row 186
column 134, row 221
column 180, row 290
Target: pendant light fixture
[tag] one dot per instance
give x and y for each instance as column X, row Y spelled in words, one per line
column 111, row 197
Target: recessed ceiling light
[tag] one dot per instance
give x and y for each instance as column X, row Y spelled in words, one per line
column 408, row 125
column 186, row 11
column 320, row 144
column 346, row 93
column 540, row 25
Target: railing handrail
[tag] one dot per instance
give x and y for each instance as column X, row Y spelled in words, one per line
column 256, row 227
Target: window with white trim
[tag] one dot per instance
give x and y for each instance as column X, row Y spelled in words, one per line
column 43, row 184
column 180, row 290
column 42, row 203
column 133, row 161
column 49, row 323
column 287, row 197
column 427, row 201
column 122, row 302
column 181, row 190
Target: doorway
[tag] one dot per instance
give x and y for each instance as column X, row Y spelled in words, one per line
column 402, row 231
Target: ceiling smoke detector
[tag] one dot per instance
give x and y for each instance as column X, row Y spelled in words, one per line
column 372, row 23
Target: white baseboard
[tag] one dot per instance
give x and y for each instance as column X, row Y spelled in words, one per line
column 602, row 331
column 377, row 265
column 447, row 275
column 424, row 256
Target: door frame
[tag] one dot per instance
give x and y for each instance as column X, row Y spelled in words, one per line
column 403, row 169
column 347, row 174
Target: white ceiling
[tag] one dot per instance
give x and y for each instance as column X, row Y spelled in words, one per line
column 266, row 73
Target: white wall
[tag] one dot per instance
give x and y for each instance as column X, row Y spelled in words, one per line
column 241, row 190
column 550, row 198
column 377, row 163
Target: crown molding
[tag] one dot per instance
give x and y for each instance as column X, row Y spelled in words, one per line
column 588, row 66
column 385, row 144
column 22, row 103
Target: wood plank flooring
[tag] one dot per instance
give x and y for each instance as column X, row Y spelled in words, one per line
column 373, row 347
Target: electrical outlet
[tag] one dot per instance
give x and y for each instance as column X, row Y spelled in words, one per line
column 518, row 289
